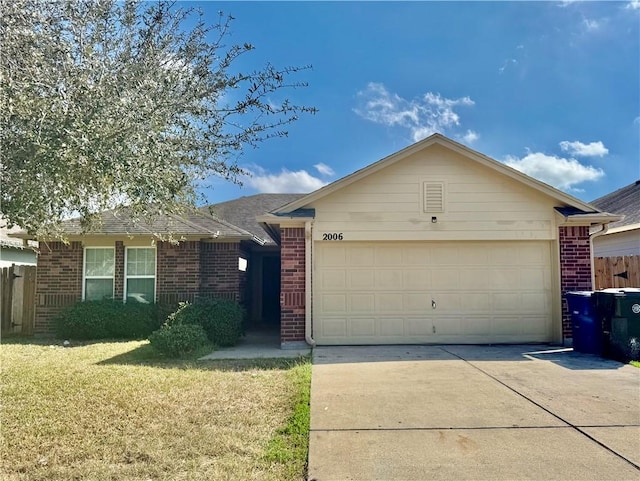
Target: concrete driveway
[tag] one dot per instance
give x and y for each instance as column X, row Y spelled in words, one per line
column 472, row 412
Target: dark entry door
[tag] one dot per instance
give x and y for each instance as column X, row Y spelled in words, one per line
column 271, row 290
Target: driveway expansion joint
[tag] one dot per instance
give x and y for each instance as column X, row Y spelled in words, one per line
column 569, row 424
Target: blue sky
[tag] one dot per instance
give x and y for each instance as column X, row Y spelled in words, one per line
column 550, row 88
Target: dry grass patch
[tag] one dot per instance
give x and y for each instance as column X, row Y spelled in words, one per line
column 115, row 411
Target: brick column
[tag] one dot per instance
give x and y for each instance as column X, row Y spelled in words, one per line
column 575, row 267
column 58, row 282
column 118, row 278
column 292, row 293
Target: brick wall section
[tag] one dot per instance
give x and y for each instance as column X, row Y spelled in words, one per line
column 178, row 272
column 575, row 267
column 59, row 282
column 243, row 280
column 292, row 293
column 118, row 289
column 219, row 274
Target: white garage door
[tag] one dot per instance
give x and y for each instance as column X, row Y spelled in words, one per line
column 431, row 292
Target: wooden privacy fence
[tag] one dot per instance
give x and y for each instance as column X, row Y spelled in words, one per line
column 623, row 271
column 18, row 295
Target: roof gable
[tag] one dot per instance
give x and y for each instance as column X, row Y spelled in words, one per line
column 440, row 139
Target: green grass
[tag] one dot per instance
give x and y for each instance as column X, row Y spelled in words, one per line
column 116, row 410
column 291, row 444
column 635, row 363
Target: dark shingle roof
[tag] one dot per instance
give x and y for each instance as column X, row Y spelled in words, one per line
column 624, row 201
column 243, row 211
column 194, row 223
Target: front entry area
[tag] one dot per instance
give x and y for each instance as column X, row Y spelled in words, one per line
column 432, row 292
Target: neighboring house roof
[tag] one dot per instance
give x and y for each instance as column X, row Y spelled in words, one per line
column 7, row 241
column 624, row 201
column 242, row 212
column 568, row 200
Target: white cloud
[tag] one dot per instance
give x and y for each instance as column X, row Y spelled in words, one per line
column 470, row 137
column 324, row 169
column 633, row 5
column 422, row 116
column 556, row 171
column 593, row 149
column 507, row 62
column 591, row 25
column 286, row 182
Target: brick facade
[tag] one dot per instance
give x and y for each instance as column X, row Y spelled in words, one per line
column 292, row 293
column 575, row 267
column 219, row 274
column 178, row 272
column 184, row 272
column 58, row 281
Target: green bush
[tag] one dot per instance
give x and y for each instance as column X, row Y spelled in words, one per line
column 221, row 319
column 107, row 319
column 179, row 339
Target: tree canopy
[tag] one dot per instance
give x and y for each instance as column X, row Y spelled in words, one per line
column 110, row 103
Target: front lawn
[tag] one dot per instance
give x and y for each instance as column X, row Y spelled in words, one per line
column 115, row 410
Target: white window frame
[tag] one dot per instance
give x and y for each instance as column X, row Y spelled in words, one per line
column 154, row 276
column 84, row 270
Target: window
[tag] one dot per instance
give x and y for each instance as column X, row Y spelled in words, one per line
column 140, row 274
column 98, row 273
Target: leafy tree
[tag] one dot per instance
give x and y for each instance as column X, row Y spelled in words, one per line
column 108, row 103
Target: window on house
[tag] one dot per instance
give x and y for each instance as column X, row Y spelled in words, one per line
column 140, row 274
column 98, row 273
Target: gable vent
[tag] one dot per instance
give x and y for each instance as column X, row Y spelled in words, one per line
column 433, row 197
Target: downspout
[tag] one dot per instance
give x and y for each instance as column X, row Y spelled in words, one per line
column 308, row 258
column 603, row 231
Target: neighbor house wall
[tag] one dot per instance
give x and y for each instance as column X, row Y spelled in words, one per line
column 58, row 281
column 575, row 267
column 617, row 244
column 292, row 291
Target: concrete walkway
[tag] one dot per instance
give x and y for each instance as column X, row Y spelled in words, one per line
column 257, row 345
column 472, row 412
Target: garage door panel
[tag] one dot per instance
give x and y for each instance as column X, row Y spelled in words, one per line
column 484, row 292
column 389, row 302
column 504, row 279
column 417, row 302
column 417, row 279
column 362, row 327
column 361, row 257
column 333, row 279
column 391, row 327
column 334, row 303
column 419, row 327
column 388, row 279
column 362, row 303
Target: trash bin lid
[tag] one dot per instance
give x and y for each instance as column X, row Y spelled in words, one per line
column 580, row 293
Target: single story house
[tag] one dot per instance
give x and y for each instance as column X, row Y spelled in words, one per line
column 622, row 238
column 436, row 243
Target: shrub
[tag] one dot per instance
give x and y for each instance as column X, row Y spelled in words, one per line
column 221, row 319
column 107, row 319
column 179, row 339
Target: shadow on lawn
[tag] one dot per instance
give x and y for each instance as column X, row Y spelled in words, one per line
column 145, row 355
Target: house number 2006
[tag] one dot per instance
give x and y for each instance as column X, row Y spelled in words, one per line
column 332, row 236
